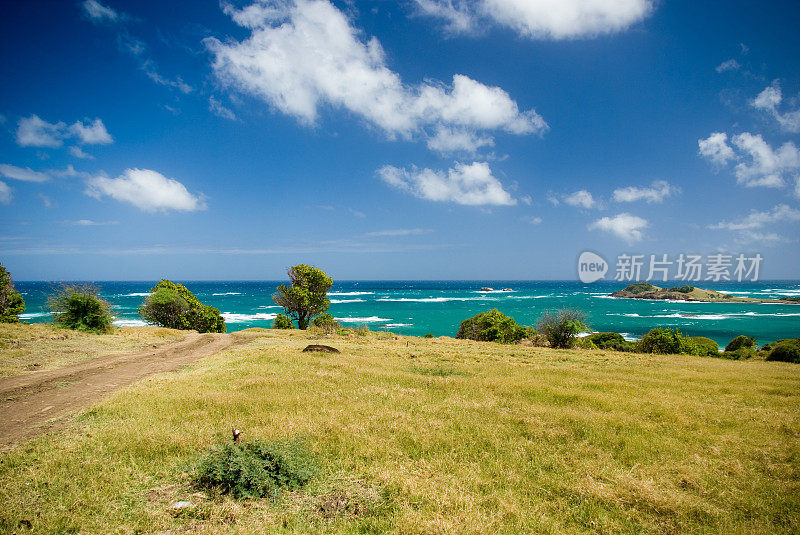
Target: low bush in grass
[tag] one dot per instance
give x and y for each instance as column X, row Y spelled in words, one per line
column 79, row 307
column 787, row 350
column 562, row 327
column 326, row 323
column 172, row 305
column 611, row 342
column 700, row 346
column 282, row 321
column 11, row 302
column 256, row 469
column 661, row 340
column 741, row 341
column 491, row 326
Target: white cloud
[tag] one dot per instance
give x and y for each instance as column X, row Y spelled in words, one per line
column 147, row 190
column 762, row 238
column 447, row 140
column 303, row 55
column 93, row 133
column 46, row 201
column 729, row 65
column 472, row 185
column 99, row 13
column 626, row 226
column 656, row 193
column 26, row 174
column 5, row 193
column 715, row 148
column 781, row 213
column 398, row 232
column 91, row 223
column 769, row 100
column 535, row 220
column 759, row 164
column 219, row 110
column 78, row 153
column 541, row 19
column 34, row 132
column 581, row 198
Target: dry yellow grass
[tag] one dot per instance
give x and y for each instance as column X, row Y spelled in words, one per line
column 434, row 436
column 27, row 348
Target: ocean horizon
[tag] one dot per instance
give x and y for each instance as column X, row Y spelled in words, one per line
column 420, row 307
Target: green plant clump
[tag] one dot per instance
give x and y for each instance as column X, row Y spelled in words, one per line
column 700, row 346
column 611, row 342
column 661, row 340
column 491, row 326
column 739, row 342
column 640, row 288
column 562, row 327
column 282, row 321
column 79, row 307
column 11, row 302
column 256, row 469
column 172, row 305
column 787, row 350
column 682, row 289
column 307, row 296
column 326, row 323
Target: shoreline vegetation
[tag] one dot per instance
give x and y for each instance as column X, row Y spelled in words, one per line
column 645, row 290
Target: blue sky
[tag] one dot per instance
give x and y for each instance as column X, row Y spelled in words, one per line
column 418, row 139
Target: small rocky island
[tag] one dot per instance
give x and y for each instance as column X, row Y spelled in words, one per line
column 645, row 290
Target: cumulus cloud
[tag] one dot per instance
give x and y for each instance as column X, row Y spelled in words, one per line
column 100, row 14
column 303, row 55
column 729, row 65
column 35, row 132
column 148, row 190
column 625, row 226
column 769, row 100
column 759, row 164
column 5, row 193
column 540, row 19
column 25, row 174
column 781, row 213
column 580, row 198
column 471, row 185
column 656, row 193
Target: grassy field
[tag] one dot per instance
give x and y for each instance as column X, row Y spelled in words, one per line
column 27, row 348
column 432, row 436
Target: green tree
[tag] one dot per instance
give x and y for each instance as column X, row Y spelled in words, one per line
column 79, row 307
column 491, row 326
column 11, row 302
column 307, row 296
column 199, row 317
column 165, row 307
column 282, row 321
column 561, row 327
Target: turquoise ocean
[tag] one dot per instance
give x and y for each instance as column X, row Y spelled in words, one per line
column 437, row 307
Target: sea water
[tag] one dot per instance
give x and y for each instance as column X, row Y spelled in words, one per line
column 437, row 307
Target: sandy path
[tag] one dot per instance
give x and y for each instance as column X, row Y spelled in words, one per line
column 33, row 404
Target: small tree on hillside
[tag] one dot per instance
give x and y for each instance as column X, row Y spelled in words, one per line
column 165, row 307
column 307, row 296
column 560, row 328
column 79, row 307
column 11, row 302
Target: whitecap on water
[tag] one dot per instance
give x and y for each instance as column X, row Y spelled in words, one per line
column 369, row 319
column 231, row 317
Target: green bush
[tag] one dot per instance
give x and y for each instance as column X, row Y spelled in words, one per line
column 429, row 335
column 195, row 316
column 741, row 353
column 700, row 346
column 640, row 288
column 682, row 289
column 661, row 340
column 491, row 326
column 326, row 323
column 79, row 307
column 282, row 321
column 561, row 327
column 256, row 469
column 307, row 296
column 611, row 341
column 740, row 342
column 11, row 302
column 787, row 350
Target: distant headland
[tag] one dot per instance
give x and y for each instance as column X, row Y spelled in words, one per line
column 645, row 290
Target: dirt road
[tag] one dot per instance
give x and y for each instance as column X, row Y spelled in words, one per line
column 33, row 404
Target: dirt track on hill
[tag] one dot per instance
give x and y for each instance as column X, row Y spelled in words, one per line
column 31, row 405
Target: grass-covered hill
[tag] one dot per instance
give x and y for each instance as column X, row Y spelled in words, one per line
column 411, row 435
column 645, row 290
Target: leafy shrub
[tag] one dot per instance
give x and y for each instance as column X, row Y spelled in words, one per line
column 282, row 321
column 682, row 289
column 584, row 343
column 307, row 296
column 561, row 327
column 640, row 288
column 787, row 350
column 11, row 302
column 740, row 342
column 661, row 340
column 256, row 469
column 326, row 323
column 199, row 317
column 491, row 326
column 165, row 307
column 80, row 308
column 700, row 346
column 611, row 341
column 429, row 335
column 739, row 354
